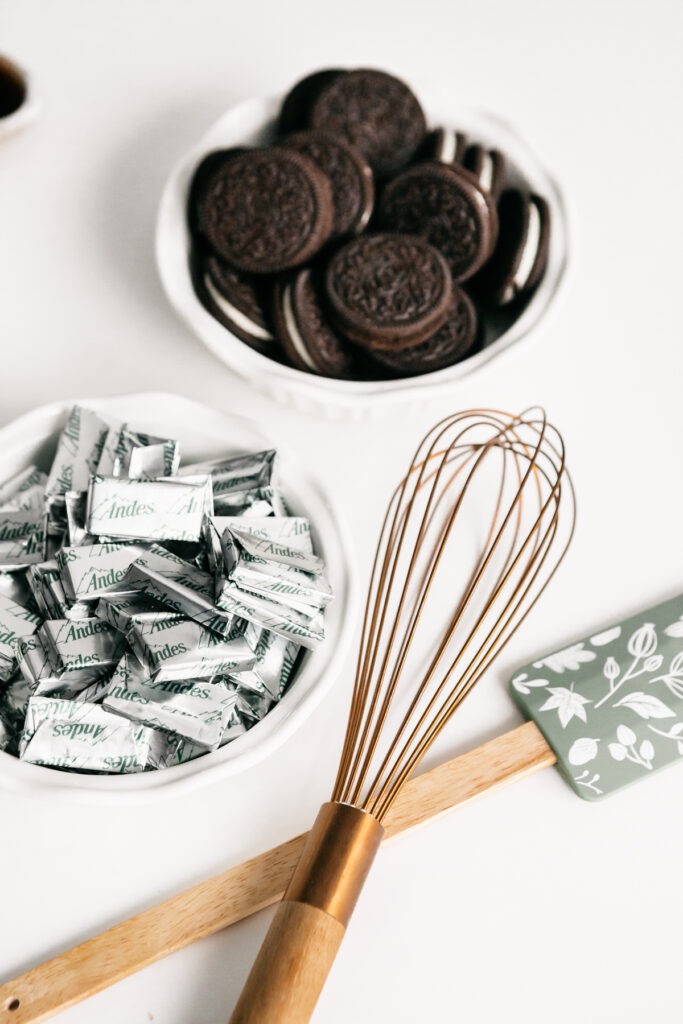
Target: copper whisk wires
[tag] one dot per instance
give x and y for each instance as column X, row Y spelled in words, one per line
column 514, row 466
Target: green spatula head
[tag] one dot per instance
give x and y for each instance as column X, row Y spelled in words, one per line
column 611, row 705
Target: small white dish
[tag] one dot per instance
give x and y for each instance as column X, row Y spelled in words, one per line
column 27, row 109
column 203, row 433
column 252, row 123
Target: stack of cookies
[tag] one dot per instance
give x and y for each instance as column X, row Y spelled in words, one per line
column 361, row 245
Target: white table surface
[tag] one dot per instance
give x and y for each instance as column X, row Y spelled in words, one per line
column 531, row 905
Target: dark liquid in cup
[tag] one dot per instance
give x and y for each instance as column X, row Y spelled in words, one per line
column 12, row 89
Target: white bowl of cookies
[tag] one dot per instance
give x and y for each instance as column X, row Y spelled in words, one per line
column 347, row 248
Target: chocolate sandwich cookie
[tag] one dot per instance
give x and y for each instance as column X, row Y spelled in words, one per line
column 266, row 210
column 353, row 190
column 488, row 167
column 451, row 343
column 296, row 106
column 446, row 206
column 237, row 301
column 388, row 291
column 521, row 255
column 375, row 112
column 306, row 336
column 210, row 163
column 443, row 145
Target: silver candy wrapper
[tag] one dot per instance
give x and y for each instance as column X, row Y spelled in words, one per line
column 6, row 734
column 25, row 490
column 84, row 737
column 235, row 725
column 93, row 570
column 44, row 679
column 257, row 501
column 23, row 537
column 291, row 587
column 20, row 610
column 56, row 535
column 15, row 700
column 185, row 650
column 284, row 540
column 271, row 579
column 49, row 594
column 172, row 749
column 94, row 693
column 235, row 552
column 15, row 623
column 266, row 572
column 76, row 532
column 238, row 472
column 275, row 659
column 81, row 651
column 253, row 704
column 78, row 452
column 164, row 577
column 37, row 667
column 125, row 610
column 279, row 618
column 16, row 588
column 196, row 709
column 39, row 578
column 145, row 659
column 138, row 456
column 166, row 509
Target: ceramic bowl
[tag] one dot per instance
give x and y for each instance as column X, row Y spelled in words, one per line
column 203, row 433
column 28, row 109
column 253, row 123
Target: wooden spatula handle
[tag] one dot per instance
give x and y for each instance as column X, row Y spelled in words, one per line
column 234, row 894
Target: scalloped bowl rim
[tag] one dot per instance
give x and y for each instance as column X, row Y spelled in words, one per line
column 248, row 123
column 22, row 439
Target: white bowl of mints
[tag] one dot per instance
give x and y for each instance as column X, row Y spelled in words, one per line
column 176, row 596
column 349, row 247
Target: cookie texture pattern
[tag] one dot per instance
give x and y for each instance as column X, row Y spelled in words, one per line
column 446, row 207
column 376, row 112
column 267, row 210
column 350, row 177
column 452, row 342
column 389, row 289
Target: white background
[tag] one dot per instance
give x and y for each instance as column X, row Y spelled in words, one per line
column 530, row 905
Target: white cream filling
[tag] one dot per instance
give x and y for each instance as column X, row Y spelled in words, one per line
column 486, row 172
column 365, row 217
column 528, row 257
column 232, row 313
column 293, row 332
column 448, row 146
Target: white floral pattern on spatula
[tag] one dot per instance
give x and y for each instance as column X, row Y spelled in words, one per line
column 567, row 703
column 645, row 705
column 606, row 637
column 583, row 780
column 629, row 695
column 569, row 658
column 675, row 733
column 674, row 677
column 583, row 750
column 522, row 684
column 641, row 646
column 625, row 748
column 676, row 628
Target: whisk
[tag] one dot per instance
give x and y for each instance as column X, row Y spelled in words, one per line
column 472, row 535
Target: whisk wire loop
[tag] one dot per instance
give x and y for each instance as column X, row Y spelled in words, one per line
column 427, row 515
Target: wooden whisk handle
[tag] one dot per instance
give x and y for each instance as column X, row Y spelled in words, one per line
column 309, row 924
